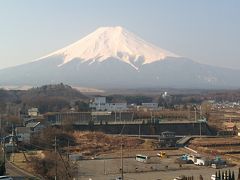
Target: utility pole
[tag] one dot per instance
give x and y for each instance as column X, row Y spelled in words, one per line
column 122, row 151
column 122, row 157
column 200, row 124
column 200, row 111
column 115, row 114
column 4, row 151
column 120, row 116
column 104, row 167
column 195, row 114
column 55, row 144
column 0, row 125
column 68, row 151
column 12, row 144
column 139, row 130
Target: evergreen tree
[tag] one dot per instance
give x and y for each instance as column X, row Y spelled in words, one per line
column 219, row 175
column 238, row 174
column 229, row 175
column 233, row 176
column 2, row 168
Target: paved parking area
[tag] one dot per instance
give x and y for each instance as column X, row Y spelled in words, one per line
column 108, row 167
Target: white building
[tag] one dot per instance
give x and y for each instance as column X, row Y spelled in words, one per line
column 33, row 112
column 100, row 104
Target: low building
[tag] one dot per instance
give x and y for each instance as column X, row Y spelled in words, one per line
column 167, row 139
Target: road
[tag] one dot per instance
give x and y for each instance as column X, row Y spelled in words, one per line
column 14, row 171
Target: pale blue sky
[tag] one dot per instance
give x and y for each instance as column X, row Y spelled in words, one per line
column 207, row 31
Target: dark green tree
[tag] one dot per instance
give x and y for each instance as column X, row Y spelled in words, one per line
column 233, row 175
column 2, row 168
column 219, row 175
column 229, row 175
column 216, row 174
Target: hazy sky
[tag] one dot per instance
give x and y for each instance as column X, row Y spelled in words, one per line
column 207, row 31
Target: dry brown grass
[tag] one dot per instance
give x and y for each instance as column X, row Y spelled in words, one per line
column 20, row 161
column 216, row 141
column 92, row 143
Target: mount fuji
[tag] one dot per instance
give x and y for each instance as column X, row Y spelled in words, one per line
column 112, row 57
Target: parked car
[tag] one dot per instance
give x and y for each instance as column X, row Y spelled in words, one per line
column 179, row 178
column 213, row 177
column 5, row 178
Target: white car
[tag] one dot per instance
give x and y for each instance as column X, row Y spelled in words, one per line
column 178, row 178
column 213, row 177
column 5, row 178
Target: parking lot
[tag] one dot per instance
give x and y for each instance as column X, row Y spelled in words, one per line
column 108, row 166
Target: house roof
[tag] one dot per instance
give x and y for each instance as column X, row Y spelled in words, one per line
column 32, row 124
column 29, row 119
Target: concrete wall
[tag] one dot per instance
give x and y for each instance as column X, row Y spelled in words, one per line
column 147, row 129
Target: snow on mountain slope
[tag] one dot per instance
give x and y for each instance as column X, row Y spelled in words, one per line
column 115, row 42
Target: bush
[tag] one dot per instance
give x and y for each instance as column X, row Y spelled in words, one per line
column 46, row 166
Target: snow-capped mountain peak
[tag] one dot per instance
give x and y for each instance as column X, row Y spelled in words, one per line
column 114, row 42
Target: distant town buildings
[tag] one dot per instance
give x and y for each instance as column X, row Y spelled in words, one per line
column 101, row 104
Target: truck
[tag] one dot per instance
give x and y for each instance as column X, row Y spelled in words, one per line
column 162, row 154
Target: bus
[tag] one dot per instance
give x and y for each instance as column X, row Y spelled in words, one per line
column 142, row 158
